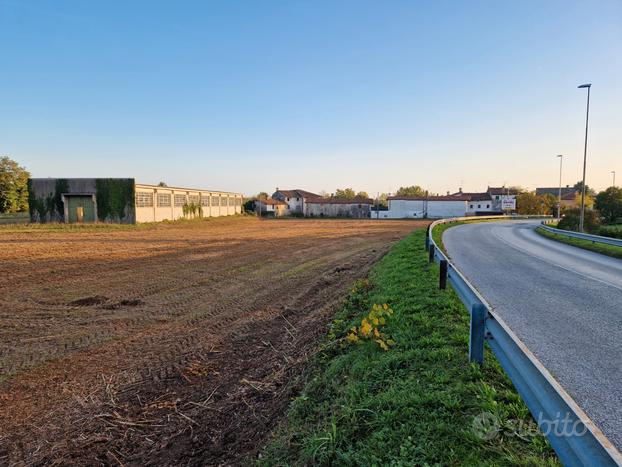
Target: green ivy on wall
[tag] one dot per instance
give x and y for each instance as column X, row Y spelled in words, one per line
column 52, row 205
column 113, row 197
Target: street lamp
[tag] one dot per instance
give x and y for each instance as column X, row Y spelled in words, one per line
column 614, row 178
column 587, row 117
column 559, row 203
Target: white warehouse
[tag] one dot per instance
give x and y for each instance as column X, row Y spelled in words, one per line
column 401, row 207
column 158, row 203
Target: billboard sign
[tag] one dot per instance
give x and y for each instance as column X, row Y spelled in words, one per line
column 508, row 203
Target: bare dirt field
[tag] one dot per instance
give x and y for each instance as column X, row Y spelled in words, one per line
column 169, row 344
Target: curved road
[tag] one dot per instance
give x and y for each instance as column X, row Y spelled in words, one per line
column 563, row 302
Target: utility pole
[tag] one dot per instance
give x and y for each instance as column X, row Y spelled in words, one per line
column 587, row 118
column 614, row 178
column 559, row 202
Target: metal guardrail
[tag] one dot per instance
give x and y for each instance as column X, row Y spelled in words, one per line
column 575, row 438
column 584, row 236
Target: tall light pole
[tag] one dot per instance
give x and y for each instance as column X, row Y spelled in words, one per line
column 587, row 118
column 559, row 202
column 614, row 178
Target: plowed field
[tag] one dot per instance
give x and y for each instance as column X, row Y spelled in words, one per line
column 171, row 344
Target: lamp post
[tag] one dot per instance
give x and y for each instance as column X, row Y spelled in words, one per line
column 587, row 117
column 614, row 178
column 559, row 202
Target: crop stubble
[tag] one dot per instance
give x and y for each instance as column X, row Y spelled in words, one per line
column 175, row 344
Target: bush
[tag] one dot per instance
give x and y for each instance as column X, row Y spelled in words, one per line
column 613, row 231
column 570, row 221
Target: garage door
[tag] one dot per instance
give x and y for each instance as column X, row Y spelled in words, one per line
column 81, row 208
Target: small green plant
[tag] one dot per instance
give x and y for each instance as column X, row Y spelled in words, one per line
column 371, row 326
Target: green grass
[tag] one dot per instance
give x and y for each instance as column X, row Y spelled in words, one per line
column 414, row 404
column 104, row 227
column 14, row 218
column 609, row 250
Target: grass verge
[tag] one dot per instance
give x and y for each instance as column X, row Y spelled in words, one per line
column 604, row 249
column 418, row 403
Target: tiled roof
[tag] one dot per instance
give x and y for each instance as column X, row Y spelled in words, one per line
column 566, row 191
column 273, row 202
column 297, row 193
column 502, row 191
column 340, row 201
column 432, row 198
column 475, row 196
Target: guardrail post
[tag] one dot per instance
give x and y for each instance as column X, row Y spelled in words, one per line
column 476, row 337
column 431, row 254
column 442, row 278
column 427, row 238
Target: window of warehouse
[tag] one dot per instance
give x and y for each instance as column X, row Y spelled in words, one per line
column 215, row 201
column 204, row 200
column 164, row 200
column 180, row 200
column 144, row 199
column 224, row 201
column 193, row 199
column 238, row 202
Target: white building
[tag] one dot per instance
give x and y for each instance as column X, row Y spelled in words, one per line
column 157, row 203
column 271, row 207
column 403, row 207
column 503, row 199
column 296, row 199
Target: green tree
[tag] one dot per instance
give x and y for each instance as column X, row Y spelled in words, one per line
column 609, row 203
column 362, row 194
column 347, row 193
column 588, row 191
column 528, row 203
column 414, row 190
column 13, row 186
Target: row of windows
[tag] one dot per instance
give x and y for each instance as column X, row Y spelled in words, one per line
column 145, row 200
column 479, row 206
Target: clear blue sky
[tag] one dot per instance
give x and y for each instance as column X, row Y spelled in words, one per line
column 250, row 95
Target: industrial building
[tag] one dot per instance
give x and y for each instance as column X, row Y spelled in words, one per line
column 122, row 200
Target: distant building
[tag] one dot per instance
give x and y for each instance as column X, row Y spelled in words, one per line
column 503, row 199
column 296, row 200
column 491, row 202
column 569, row 195
column 271, row 207
column 358, row 208
column 122, row 200
column 401, row 207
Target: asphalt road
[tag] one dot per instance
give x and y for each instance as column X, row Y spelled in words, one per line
column 563, row 302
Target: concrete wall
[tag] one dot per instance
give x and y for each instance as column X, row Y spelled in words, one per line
column 484, row 206
column 155, row 204
column 354, row 210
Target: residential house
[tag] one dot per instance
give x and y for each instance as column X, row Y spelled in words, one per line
column 359, row 208
column 570, row 195
column 296, row 200
column 503, row 199
column 271, row 207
